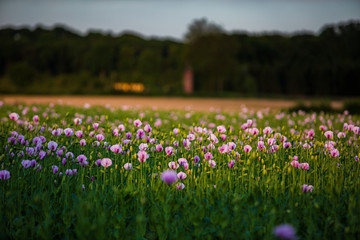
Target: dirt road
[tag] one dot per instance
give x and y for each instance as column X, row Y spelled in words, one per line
column 198, row 104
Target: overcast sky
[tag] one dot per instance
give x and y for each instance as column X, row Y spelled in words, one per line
column 170, row 18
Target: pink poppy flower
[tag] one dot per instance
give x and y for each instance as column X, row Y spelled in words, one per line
column 311, row 133
column 224, row 149
column 304, row 166
column 26, row 163
column 169, row 151
column 208, row 156
column 143, row 147
column 77, row 121
column 173, row 165
column 295, row 164
column 186, row 166
column 159, row 148
column 329, row 134
column 221, row 129
column 106, row 162
column 96, row 126
column 323, row 127
column 128, row 135
column 249, row 123
column 307, row 188
column 335, row 153
column 140, row 134
column 142, row 156
column 68, row 132
column 213, row 138
column 116, row 148
column 100, row 137
column 247, row 148
column 180, row 186
column 212, row 163
column 260, row 145
column 52, row 145
column 82, row 142
column 36, row 119
column 81, row 158
column 127, row 166
column 254, row 131
column 231, row 164
column 182, row 161
column 356, row 130
column 147, row 128
column 271, row 141
column 191, row 137
column 210, row 146
column 121, row 127
column 306, row 146
column 287, row 145
column 232, row 145
column 341, row 135
column 267, row 130
column 14, row 116
column 137, row 123
column 181, row 175
column 79, row 134
column 116, row 132
column 69, row 155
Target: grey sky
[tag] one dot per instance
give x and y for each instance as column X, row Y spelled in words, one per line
column 171, row 18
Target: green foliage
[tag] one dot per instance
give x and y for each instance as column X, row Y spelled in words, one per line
column 314, row 106
column 326, row 64
column 22, row 74
column 352, row 105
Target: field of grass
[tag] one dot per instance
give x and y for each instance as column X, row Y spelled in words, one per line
column 101, row 173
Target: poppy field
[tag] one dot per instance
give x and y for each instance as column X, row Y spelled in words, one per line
column 102, row 173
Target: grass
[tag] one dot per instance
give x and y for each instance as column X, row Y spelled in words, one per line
column 247, row 201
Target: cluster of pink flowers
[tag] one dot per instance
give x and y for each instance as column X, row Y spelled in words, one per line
column 296, row 164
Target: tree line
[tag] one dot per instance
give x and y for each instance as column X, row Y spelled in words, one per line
column 61, row 61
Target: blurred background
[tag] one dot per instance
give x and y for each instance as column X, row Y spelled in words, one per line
column 181, row 48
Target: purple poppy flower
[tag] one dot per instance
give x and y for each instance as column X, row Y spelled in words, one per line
column 169, row 176
column 285, row 231
column 4, row 175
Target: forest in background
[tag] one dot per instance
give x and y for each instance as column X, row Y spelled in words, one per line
column 62, row 61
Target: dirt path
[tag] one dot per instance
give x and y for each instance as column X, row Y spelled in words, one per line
column 198, row 104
